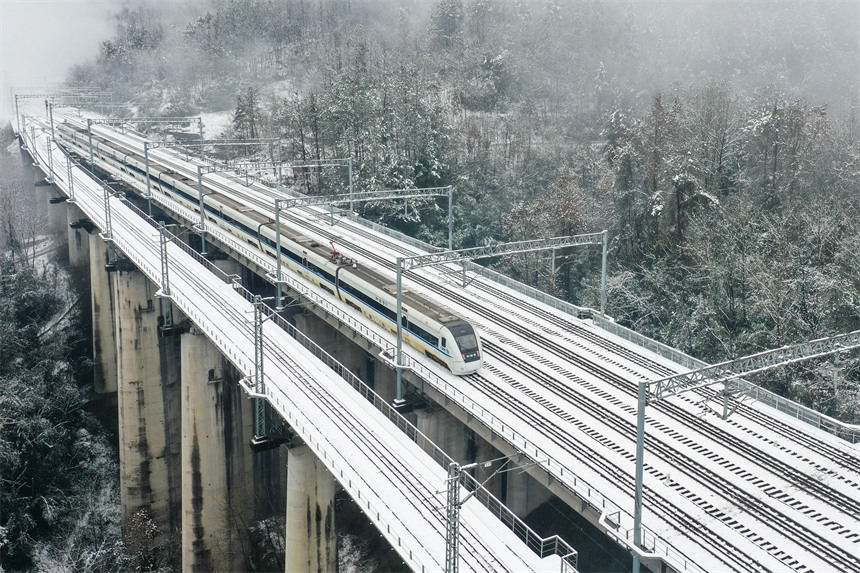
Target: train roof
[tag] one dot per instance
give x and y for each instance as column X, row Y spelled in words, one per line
column 411, row 300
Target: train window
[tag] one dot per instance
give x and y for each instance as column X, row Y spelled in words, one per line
column 444, row 342
column 467, row 342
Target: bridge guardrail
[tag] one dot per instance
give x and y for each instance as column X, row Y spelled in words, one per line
column 199, row 319
column 541, row 546
column 579, row 486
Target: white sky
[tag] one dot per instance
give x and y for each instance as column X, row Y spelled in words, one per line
column 41, row 39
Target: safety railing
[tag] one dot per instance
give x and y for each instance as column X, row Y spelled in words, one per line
column 542, row 546
column 541, row 458
column 569, row 478
column 224, row 345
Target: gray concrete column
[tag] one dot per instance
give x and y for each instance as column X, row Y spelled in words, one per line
column 79, row 243
column 229, row 266
column 326, row 336
column 384, row 381
column 524, row 493
column 104, row 343
column 56, row 212
column 143, row 426
column 484, row 451
column 445, row 431
column 217, row 478
column 311, row 543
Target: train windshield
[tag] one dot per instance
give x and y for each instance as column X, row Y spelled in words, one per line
column 467, row 342
column 464, row 336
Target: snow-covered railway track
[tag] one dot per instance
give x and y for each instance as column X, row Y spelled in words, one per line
column 585, row 456
column 767, row 510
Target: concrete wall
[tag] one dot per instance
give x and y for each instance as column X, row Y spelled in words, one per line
column 445, row 431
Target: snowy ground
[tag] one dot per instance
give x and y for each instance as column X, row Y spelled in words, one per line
column 216, row 122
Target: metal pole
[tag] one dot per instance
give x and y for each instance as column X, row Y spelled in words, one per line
column 148, row 191
column 452, row 526
column 70, row 176
column 107, row 229
column 50, row 161
column 202, row 211
column 351, row 202
column 398, row 401
column 17, row 115
column 90, row 135
column 51, row 116
column 450, row 218
column 280, row 171
column 640, row 462
column 259, row 403
column 279, row 297
column 200, row 126
column 165, row 280
column 603, row 275
column 33, row 143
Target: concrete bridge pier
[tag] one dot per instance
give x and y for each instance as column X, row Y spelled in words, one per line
column 524, row 493
column 311, row 542
column 383, row 380
column 217, row 465
column 102, row 302
column 345, row 349
column 447, row 432
column 483, row 452
column 347, row 353
column 56, row 210
column 78, row 238
column 229, row 266
column 147, row 398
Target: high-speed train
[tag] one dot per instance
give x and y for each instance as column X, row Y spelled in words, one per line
column 433, row 330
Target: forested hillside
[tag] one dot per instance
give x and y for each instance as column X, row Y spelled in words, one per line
column 719, row 143
column 57, row 482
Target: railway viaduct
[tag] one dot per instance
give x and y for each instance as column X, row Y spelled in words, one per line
column 190, row 464
column 185, row 425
